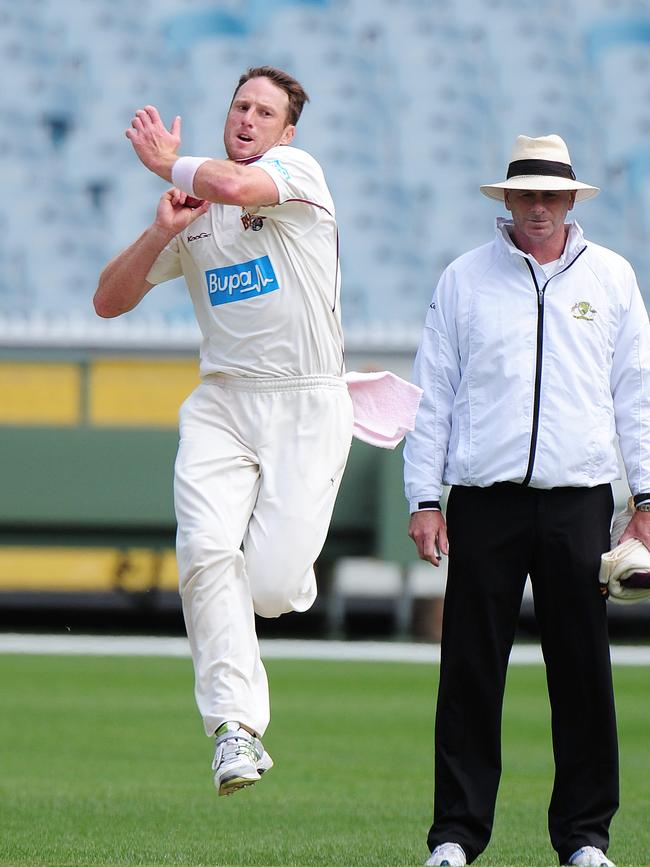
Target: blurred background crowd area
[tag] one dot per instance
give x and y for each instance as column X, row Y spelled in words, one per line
column 414, row 103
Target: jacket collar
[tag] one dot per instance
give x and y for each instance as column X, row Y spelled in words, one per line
column 574, row 244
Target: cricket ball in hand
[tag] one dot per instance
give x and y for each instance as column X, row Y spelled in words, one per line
column 191, row 202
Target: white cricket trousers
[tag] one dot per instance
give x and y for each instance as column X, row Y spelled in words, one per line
column 258, row 469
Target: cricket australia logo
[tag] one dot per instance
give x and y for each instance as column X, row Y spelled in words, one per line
column 237, row 282
column 583, row 310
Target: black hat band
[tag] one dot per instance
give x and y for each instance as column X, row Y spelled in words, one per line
column 540, row 167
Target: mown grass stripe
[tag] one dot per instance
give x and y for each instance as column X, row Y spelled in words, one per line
column 104, row 762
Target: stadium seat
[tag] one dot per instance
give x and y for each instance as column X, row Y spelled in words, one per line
column 369, row 585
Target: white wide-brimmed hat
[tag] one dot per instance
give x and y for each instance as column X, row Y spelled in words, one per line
column 540, row 164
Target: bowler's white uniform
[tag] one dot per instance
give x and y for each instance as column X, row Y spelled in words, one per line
column 266, row 435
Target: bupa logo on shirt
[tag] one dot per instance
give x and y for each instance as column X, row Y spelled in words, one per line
column 237, row 282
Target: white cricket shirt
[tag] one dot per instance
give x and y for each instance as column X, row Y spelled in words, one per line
column 265, row 282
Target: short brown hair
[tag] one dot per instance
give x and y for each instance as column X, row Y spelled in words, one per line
column 294, row 90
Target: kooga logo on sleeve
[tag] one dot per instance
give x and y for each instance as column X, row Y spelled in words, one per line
column 237, row 282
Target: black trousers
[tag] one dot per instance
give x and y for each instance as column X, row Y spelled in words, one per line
column 497, row 536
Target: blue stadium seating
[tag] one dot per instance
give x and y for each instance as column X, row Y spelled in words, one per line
column 414, row 104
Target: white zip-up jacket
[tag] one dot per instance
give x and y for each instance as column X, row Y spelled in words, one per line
column 529, row 378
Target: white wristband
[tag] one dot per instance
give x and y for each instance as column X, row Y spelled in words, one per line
column 183, row 172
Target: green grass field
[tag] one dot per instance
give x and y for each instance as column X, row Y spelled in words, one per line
column 103, row 761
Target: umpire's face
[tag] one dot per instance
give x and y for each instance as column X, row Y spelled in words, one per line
column 257, row 119
column 539, row 215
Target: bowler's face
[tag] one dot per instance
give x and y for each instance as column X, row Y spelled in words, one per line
column 539, row 215
column 257, row 119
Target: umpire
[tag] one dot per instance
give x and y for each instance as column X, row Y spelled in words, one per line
column 535, row 358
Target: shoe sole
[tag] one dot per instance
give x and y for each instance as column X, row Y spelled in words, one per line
column 233, row 784
column 227, row 787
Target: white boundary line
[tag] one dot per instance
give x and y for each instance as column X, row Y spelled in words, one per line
column 352, row 651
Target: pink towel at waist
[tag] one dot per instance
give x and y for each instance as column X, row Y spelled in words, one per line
column 384, row 407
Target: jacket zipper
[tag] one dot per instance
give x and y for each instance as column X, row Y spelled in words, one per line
column 538, row 360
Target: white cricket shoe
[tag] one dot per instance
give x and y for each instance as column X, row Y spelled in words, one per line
column 239, row 759
column 447, row 855
column 589, row 856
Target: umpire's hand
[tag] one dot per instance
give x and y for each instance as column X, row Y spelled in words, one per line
column 428, row 530
column 638, row 528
